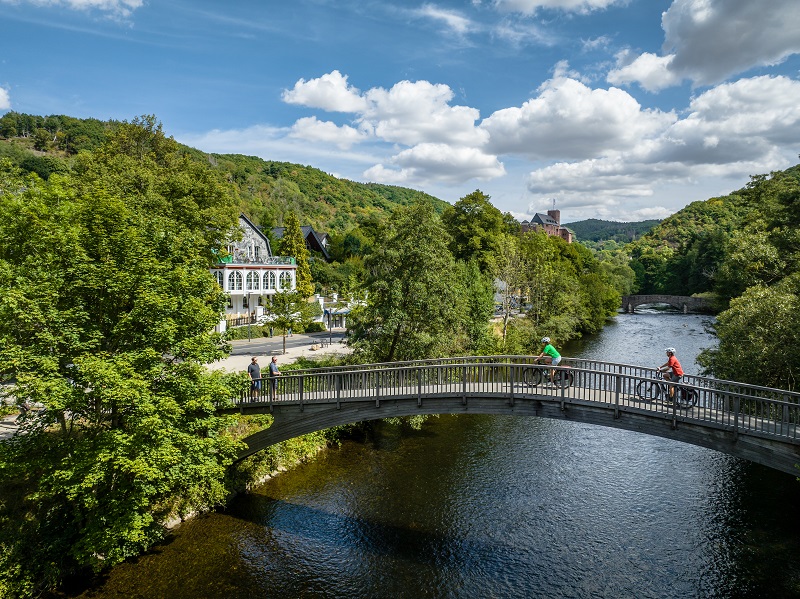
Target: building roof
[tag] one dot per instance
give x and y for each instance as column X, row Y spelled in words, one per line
column 313, row 239
column 258, row 231
column 544, row 219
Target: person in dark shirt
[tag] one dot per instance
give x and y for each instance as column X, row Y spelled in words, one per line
column 254, row 370
column 274, row 373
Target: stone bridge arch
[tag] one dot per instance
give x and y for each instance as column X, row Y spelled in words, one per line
column 684, row 303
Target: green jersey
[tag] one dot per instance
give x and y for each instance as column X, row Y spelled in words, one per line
column 549, row 350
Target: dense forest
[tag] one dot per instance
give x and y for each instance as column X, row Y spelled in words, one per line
column 595, row 230
column 266, row 191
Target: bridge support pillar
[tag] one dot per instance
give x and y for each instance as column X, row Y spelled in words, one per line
column 685, row 309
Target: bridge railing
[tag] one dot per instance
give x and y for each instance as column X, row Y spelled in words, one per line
column 745, row 408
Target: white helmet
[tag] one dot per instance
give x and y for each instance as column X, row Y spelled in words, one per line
column 545, row 339
column 670, row 350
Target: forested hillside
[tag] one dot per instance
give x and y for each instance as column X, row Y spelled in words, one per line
column 744, row 249
column 270, row 189
column 267, row 190
column 594, row 230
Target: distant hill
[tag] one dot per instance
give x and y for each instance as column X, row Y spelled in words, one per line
column 605, row 230
column 267, row 189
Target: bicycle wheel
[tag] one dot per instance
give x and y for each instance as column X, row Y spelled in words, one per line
column 686, row 398
column 532, row 376
column 563, row 378
column 647, row 390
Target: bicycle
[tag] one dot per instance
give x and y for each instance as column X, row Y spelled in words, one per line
column 535, row 376
column 652, row 390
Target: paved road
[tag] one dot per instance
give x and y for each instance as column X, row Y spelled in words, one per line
column 261, row 346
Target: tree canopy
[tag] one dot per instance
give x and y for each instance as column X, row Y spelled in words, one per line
column 294, row 244
column 106, row 311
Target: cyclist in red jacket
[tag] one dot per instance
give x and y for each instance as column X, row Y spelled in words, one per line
column 674, row 366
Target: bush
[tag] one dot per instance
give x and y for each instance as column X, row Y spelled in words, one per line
column 315, row 327
column 255, row 331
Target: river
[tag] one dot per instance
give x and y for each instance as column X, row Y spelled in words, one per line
column 480, row 506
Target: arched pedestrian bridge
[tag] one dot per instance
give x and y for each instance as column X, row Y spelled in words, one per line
column 684, row 303
column 754, row 423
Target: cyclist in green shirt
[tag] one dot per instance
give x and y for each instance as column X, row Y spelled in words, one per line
column 552, row 356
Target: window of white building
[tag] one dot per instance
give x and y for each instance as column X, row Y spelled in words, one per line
column 286, row 280
column 253, row 280
column 269, row 280
column 235, row 281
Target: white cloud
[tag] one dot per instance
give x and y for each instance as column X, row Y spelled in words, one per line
column 437, row 163
column 5, row 99
column 271, row 143
column 520, row 34
column 311, row 129
column 569, row 120
column 650, row 71
column 121, row 8
column 714, row 39
column 419, row 112
column 708, row 41
column 329, row 92
column 600, row 149
column 729, row 131
column 531, row 6
column 749, row 120
column 453, row 20
column 407, row 113
column 600, row 42
column 443, row 142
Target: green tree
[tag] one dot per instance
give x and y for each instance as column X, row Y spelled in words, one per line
column 542, row 276
column 511, row 279
column 294, row 244
column 759, row 337
column 479, row 306
column 475, row 226
column 286, row 310
column 106, row 308
column 42, row 139
column 751, row 259
column 414, row 306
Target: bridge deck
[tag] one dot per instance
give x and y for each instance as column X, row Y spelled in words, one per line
column 493, row 385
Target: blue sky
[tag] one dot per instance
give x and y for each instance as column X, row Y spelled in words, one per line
column 613, row 109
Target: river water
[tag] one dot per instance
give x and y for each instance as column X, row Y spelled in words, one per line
column 480, row 506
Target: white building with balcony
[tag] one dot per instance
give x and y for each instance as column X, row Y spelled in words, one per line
column 250, row 274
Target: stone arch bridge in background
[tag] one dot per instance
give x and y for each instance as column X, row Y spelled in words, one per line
column 683, row 303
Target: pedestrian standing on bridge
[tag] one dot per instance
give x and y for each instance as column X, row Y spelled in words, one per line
column 254, row 370
column 673, row 365
column 274, row 373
